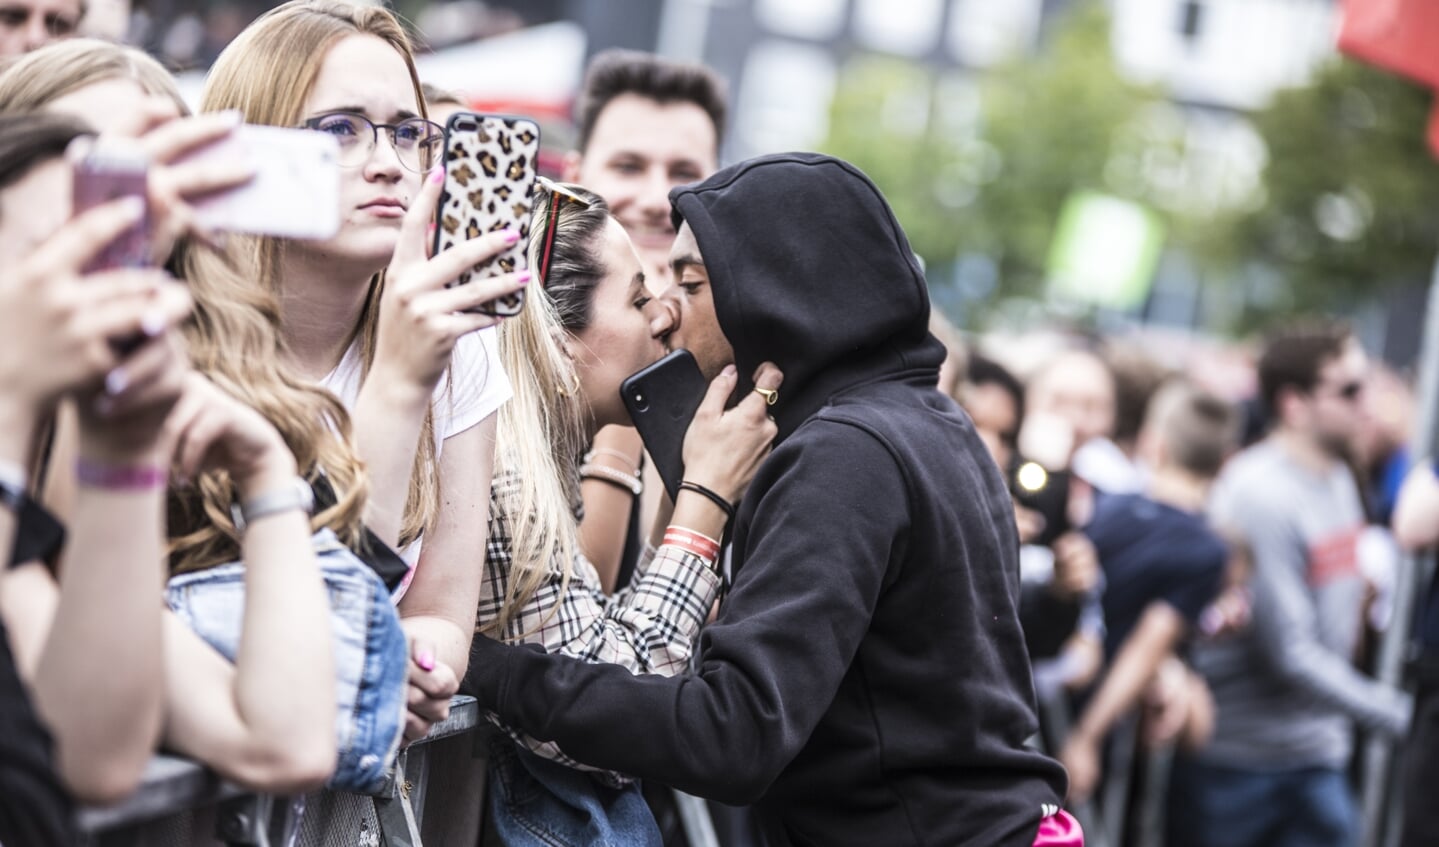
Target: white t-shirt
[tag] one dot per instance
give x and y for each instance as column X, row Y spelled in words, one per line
column 475, row 387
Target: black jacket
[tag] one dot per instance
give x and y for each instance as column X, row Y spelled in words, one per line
column 866, row 682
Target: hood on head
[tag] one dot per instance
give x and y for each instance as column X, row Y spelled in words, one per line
column 810, row 270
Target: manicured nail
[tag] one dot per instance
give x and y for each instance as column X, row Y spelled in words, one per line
column 133, row 206
column 511, row 236
column 116, row 380
column 152, row 324
column 729, row 370
column 232, row 117
column 437, row 176
column 525, row 277
column 426, row 660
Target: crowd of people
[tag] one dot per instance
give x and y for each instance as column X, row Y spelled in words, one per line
column 893, row 549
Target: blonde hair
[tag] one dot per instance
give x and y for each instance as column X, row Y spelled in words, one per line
column 40, row 77
column 233, row 337
column 267, row 73
column 540, row 434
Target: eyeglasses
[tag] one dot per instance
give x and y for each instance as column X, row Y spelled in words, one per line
column 416, row 141
column 557, row 192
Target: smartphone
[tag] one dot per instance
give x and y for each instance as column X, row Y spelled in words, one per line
column 296, row 189
column 1044, row 491
column 662, row 400
column 489, row 186
column 105, row 171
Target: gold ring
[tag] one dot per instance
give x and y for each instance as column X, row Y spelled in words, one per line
column 770, row 395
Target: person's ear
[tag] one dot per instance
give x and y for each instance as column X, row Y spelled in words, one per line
column 570, row 169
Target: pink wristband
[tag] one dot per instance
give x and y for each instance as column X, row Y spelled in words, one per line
column 121, row 477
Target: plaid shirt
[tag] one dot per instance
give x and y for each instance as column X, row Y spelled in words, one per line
column 648, row 627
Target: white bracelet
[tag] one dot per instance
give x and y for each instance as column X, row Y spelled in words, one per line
column 610, row 475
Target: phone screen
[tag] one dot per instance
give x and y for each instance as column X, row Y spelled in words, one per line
column 489, row 186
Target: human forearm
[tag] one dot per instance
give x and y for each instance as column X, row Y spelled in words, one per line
column 284, row 670
column 106, row 635
column 389, row 419
column 608, row 505
column 1134, row 666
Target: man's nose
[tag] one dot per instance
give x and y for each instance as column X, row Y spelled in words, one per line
column 663, row 314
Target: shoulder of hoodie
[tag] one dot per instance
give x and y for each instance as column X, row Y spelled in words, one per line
column 853, row 430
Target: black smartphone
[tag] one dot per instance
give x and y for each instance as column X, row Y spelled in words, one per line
column 490, row 163
column 1044, row 491
column 662, row 400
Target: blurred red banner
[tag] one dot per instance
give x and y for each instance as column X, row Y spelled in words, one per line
column 1400, row 36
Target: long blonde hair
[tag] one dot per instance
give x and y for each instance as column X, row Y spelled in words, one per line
column 39, row 77
column 267, row 72
column 540, row 434
column 233, row 337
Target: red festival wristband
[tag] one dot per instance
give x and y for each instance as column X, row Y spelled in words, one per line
column 692, row 542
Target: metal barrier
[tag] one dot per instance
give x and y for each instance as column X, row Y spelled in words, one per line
column 179, row 800
column 180, row 803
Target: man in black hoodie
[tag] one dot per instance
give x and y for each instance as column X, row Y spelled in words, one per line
column 866, row 681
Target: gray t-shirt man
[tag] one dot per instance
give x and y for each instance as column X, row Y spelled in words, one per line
column 1286, row 688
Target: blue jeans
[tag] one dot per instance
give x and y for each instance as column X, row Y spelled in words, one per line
column 1215, row 806
column 534, row 802
column 371, row 655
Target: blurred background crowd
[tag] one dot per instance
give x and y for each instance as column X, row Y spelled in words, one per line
column 1133, row 216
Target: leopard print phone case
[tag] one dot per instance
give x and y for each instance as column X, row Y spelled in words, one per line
column 489, row 186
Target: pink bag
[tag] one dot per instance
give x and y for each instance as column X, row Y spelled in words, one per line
column 1059, row 830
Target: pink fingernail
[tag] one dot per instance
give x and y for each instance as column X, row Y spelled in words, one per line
column 511, row 236
column 152, row 324
column 437, row 176
column 115, row 381
column 525, row 277
column 426, row 660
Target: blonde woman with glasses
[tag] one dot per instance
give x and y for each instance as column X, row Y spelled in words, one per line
column 367, row 313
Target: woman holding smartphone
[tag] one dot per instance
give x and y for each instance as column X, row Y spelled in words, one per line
column 266, row 721
column 367, row 313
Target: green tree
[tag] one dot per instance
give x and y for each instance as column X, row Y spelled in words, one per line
column 1351, row 205
column 984, row 164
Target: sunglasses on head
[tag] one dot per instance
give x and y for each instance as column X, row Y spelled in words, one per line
column 557, row 193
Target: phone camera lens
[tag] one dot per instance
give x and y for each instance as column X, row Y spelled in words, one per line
column 642, row 403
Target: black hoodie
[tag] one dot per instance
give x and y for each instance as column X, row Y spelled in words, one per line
column 866, row 681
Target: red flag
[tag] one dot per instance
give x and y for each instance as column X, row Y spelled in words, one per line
column 1399, row 35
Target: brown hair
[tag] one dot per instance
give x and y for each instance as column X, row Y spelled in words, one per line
column 26, row 140
column 615, row 72
column 1294, row 354
column 33, row 81
column 1198, row 429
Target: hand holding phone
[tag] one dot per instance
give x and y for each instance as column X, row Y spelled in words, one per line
column 662, row 400
column 489, row 186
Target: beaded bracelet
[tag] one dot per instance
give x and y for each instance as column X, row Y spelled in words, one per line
column 621, row 479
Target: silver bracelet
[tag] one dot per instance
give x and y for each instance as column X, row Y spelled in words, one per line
column 295, row 494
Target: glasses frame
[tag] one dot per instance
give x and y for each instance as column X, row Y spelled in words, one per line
column 436, row 138
column 556, row 192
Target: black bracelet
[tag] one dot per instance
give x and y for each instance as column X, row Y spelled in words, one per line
column 725, row 505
